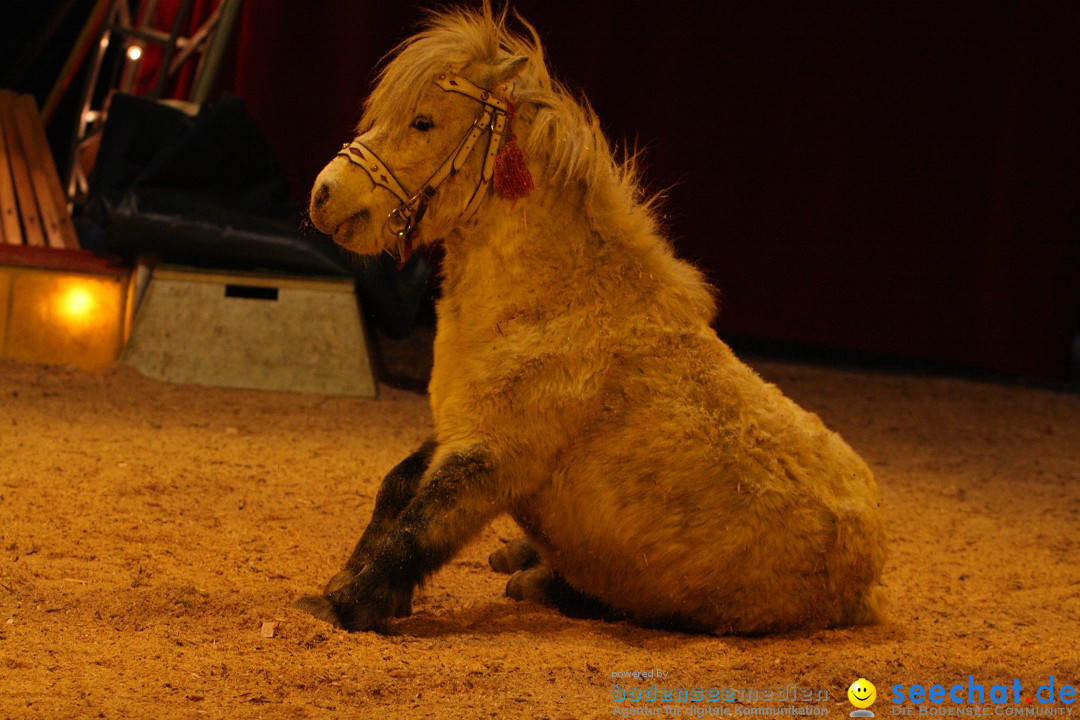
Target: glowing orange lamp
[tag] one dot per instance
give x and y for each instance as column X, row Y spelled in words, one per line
column 64, row 307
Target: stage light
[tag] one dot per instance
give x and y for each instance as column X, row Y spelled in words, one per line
column 63, row 317
column 76, row 304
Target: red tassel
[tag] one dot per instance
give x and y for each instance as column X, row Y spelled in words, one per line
column 512, row 177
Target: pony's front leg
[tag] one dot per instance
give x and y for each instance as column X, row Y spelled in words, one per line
column 457, row 499
column 395, row 493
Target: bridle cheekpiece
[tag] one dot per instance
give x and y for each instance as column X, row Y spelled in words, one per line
column 403, row 219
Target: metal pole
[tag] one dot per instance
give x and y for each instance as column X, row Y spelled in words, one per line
column 215, row 50
column 76, row 179
column 182, row 14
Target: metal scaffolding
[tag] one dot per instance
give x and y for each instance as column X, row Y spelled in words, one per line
column 131, row 28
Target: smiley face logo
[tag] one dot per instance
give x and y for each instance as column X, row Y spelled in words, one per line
column 862, row 693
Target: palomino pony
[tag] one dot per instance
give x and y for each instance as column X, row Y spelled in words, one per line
column 578, row 385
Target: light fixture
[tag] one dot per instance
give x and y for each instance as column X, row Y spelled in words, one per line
column 75, row 304
column 77, row 317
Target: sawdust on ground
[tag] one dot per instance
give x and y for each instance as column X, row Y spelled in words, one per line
column 153, row 538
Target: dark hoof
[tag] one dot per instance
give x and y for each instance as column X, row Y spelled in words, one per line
column 354, row 600
column 354, row 618
column 533, row 584
column 401, row 603
column 321, row 607
column 513, row 556
column 544, row 586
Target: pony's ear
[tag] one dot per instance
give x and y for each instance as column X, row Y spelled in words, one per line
column 508, row 69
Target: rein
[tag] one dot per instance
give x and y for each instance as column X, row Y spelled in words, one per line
column 403, row 219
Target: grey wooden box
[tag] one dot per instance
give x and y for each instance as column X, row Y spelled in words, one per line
column 246, row 330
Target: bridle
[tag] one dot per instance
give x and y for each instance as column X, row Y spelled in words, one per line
column 491, row 119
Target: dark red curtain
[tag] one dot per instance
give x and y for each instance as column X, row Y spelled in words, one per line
column 893, row 178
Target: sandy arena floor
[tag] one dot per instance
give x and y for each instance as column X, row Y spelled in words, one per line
column 154, row 537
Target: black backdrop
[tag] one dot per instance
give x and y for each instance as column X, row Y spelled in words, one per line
column 894, row 178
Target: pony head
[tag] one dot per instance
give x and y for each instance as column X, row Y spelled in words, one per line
column 427, row 144
column 450, row 100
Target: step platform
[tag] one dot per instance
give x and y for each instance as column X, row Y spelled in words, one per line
column 250, row 330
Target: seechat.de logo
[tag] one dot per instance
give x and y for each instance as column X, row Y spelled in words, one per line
column 975, row 693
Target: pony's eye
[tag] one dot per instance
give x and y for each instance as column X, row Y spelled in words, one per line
column 422, row 123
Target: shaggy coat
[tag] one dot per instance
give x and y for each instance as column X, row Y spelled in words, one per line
column 578, row 384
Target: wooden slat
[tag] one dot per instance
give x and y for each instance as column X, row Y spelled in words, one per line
column 47, row 216
column 20, row 173
column 55, row 220
column 10, row 230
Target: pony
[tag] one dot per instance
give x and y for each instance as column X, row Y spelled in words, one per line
column 578, row 384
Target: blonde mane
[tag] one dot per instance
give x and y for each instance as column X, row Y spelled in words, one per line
column 562, row 128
